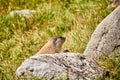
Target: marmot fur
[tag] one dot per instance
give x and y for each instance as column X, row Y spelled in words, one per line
column 54, row 45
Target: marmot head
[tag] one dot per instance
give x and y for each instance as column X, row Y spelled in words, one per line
column 54, row 45
column 113, row 3
column 58, row 42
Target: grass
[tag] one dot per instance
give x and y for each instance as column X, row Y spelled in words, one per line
column 113, row 65
column 21, row 38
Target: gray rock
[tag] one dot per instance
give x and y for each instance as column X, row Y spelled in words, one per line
column 105, row 40
column 64, row 65
column 22, row 13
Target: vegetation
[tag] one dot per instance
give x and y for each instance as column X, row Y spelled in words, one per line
column 21, row 38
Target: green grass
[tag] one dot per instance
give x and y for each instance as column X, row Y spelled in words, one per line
column 112, row 64
column 21, row 38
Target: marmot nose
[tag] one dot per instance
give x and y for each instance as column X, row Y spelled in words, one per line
column 64, row 38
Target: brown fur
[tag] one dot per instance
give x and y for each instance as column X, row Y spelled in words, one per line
column 113, row 3
column 54, row 45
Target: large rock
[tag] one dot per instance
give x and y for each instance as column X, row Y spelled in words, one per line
column 64, row 65
column 105, row 39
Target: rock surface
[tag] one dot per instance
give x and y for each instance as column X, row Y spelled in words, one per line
column 64, row 65
column 22, row 13
column 105, row 40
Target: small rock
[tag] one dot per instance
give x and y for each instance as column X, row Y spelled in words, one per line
column 22, row 13
column 114, row 3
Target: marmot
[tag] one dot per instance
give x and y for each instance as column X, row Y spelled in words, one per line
column 54, row 45
column 113, row 3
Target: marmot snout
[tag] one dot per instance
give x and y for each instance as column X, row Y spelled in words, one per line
column 54, row 45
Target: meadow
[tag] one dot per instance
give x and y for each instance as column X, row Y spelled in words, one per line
column 21, row 38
